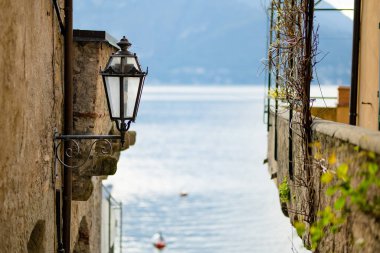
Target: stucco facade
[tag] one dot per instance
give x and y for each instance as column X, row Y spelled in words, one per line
column 368, row 98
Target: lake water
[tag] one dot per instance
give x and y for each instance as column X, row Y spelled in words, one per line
column 209, row 142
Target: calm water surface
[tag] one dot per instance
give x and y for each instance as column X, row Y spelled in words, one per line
column 211, row 143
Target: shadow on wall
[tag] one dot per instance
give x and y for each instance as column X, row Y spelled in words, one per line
column 82, row 245
column 36, row 240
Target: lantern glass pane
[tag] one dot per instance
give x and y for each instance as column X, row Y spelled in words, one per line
column 132, row 60
column 114, row 61
column 113, row 91
column 131, row 88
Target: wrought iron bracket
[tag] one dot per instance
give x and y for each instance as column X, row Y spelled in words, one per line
column 74, row 149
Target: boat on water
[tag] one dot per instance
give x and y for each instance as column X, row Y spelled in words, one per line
column 158, row 241
column 183, row 194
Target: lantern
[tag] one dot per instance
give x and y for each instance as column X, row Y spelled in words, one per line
column 123, row 82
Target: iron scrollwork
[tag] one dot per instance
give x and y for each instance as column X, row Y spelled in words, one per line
column 76, row 152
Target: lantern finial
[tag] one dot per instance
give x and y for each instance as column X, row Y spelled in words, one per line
column 124, row 44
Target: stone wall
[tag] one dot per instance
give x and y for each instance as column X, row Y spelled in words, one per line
column 31, row 77
column 91, row 117
column 31, row 98
column 361, row 231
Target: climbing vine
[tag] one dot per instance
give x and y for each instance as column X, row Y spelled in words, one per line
column 284, row 191
column 351, row 188
column 291, row 60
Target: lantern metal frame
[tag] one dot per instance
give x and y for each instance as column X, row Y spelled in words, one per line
column 74, row 141
column 133, row 72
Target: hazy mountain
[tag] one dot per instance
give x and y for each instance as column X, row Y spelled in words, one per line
column 335, row 47
column 205, row 41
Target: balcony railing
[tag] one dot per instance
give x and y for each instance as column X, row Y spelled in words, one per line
column 112, row 223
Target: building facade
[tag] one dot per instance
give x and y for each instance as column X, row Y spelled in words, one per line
column 369, row 69
column 31, row 98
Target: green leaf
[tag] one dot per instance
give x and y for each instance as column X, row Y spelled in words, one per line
column 327, row 177
column 284, row 191
column 325, row 221
column 341, row 172
column 300, row 227
column 331, row 191
column 339, row 203
column 332, row 159
column 373, row 168
column 316, row 234
column 372, row 155
column 355, row 199
column 327, row 210
column 335, row 228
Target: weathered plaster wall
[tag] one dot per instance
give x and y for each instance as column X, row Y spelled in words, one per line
column 31, row 103
column 327, row 113
column 340, row 139
column 368, row 102
column 31, row 99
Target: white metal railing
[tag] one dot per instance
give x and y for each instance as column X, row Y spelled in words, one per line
column 111, row 223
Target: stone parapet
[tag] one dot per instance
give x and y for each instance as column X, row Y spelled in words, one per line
column 358, row 136
column 333, row 144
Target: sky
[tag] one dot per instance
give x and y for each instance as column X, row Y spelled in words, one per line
column 210, row 41
column 186, row 41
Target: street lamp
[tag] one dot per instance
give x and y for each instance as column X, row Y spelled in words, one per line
column 123, row 82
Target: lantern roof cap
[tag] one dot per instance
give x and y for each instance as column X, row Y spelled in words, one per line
column 124, row 44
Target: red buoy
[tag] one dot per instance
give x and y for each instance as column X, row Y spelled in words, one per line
column 159, row 245
column 158, row 241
